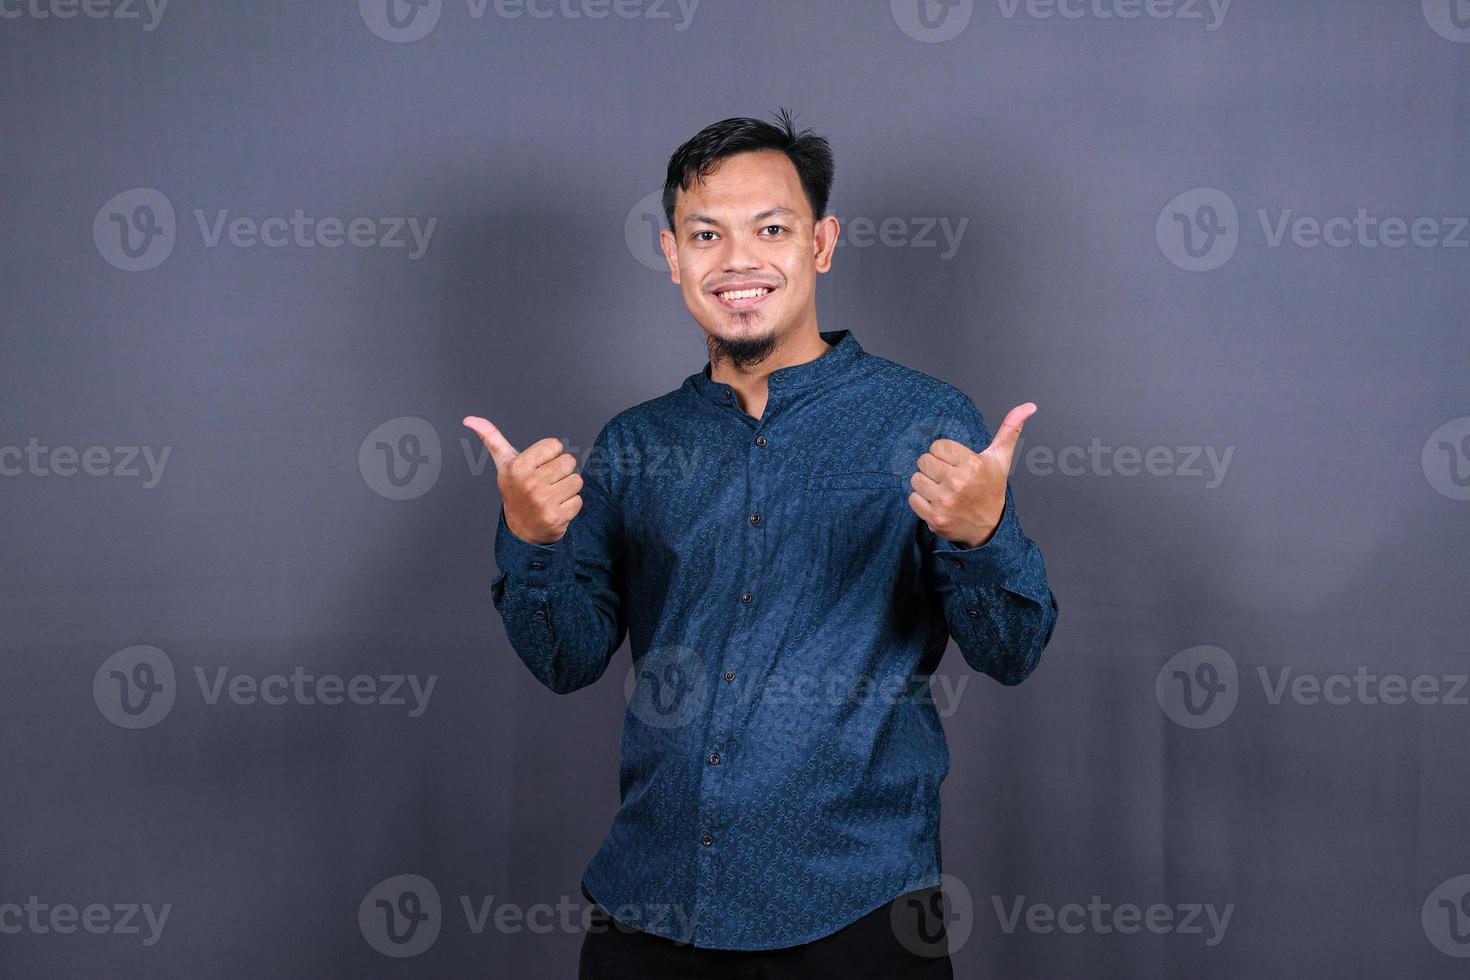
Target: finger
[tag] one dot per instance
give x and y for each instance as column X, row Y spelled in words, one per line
column 543, row 451
column 566, row 487
column 922, row 507
column 1010, row 429
column 570, row 508
column 950, row 451
column 925, row 486
column 500, row 448
column 934, row 468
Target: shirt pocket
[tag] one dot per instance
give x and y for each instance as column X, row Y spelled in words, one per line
column 855, row 521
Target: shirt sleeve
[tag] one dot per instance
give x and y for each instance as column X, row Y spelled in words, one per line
column 997, row 603
column 560, row 603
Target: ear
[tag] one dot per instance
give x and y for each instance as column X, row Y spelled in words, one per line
column 671, row 252
column 825, row 241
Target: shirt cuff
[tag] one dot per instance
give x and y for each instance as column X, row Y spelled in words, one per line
column 536, row 565
column 1000, row 559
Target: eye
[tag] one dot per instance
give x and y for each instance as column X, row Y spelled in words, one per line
column 777, row 227
column 698, row 233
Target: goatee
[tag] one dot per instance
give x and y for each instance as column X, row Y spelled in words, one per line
column 741, row 352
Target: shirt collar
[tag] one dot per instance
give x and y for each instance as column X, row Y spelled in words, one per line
column 825, row 370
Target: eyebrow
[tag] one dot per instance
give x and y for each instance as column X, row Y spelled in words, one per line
column 704, row 219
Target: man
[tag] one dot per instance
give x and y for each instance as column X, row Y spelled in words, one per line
column 789, row 540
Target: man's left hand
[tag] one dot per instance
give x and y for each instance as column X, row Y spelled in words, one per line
column 960, row 493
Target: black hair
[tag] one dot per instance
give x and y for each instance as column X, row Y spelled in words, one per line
column 808, row 152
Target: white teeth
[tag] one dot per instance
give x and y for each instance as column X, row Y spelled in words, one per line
column 745, row 293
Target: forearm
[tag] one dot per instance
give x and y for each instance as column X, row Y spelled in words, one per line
column 562, row 622
column 997, row 602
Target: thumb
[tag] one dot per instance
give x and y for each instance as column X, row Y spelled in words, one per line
column 500, row 448
column 1010, row 429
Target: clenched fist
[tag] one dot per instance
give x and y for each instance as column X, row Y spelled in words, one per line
column 539, row 488
column 960, row 493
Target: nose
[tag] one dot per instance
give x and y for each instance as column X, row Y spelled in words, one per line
column 740, row 253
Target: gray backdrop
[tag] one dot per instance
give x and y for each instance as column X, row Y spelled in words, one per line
column 260, row 258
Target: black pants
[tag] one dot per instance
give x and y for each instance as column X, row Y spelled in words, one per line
column 873, row 946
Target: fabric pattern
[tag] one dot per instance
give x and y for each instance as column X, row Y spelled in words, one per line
column 781, row 756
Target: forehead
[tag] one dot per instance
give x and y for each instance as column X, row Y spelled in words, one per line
column 743, row 183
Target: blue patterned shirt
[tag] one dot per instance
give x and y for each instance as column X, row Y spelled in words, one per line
column 781, row 753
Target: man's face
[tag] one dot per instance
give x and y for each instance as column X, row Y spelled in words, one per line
column 748, row 225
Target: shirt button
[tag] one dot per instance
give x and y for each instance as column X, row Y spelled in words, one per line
column 706, row 840
column 714, row 758
column 775, row 377
column 541, row 614
column 760, row 440
column 746, row 598
column 726, row 393
column 538, row 564
column 729, row 675
column 755, row 518
column 972, row 613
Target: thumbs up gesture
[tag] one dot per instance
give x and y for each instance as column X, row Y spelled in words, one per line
column 960, row 493
column 539, row 488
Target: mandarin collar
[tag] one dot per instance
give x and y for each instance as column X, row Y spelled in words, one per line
column 826, row 369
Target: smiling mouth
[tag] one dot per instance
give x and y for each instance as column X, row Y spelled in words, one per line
column 742, row 299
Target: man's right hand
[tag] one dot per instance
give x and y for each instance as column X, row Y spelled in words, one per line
column 540, row 488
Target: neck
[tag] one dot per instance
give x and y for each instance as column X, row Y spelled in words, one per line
column 749, row 380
